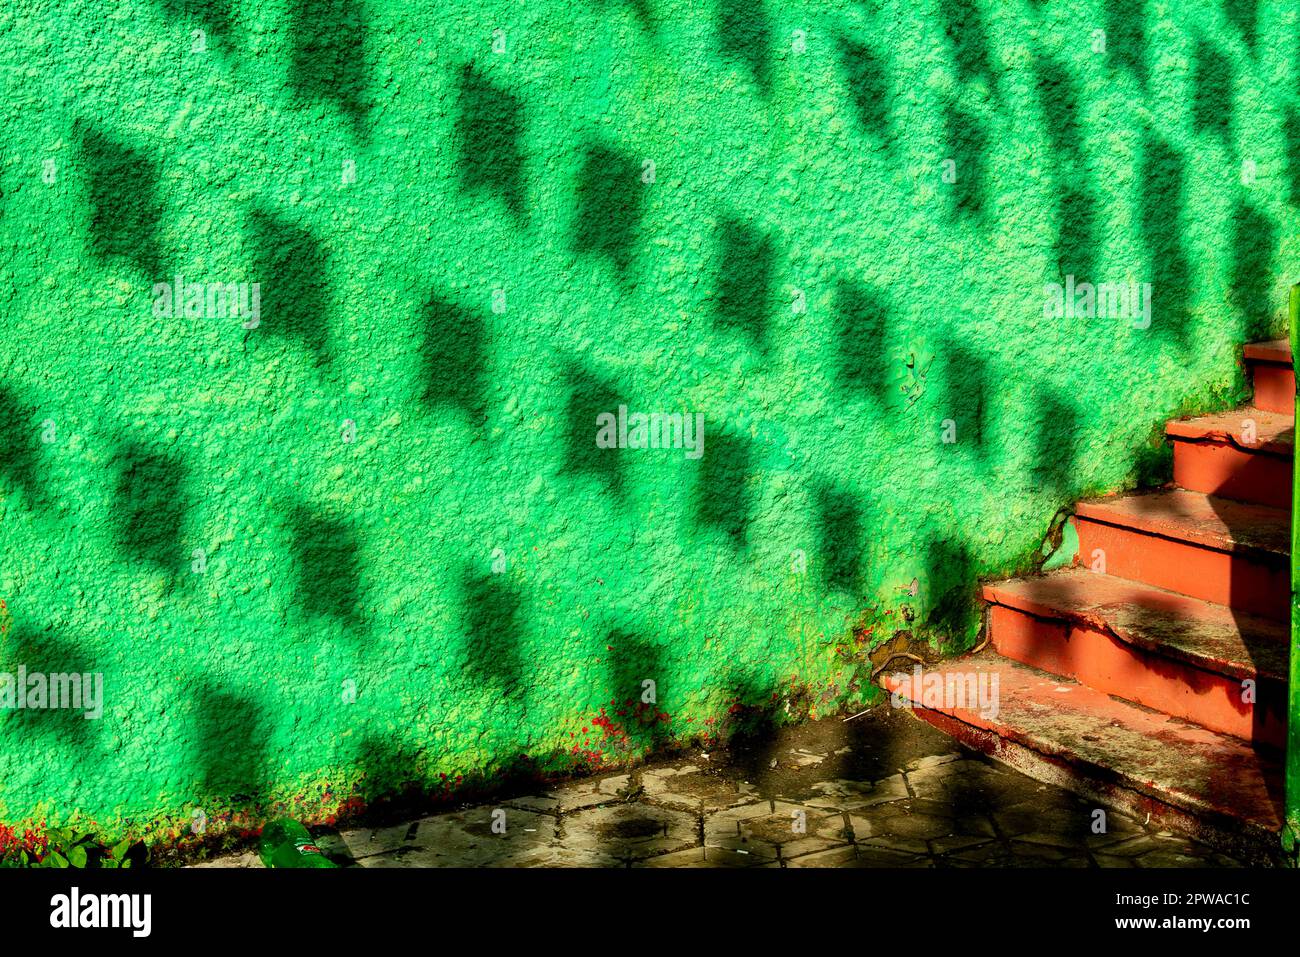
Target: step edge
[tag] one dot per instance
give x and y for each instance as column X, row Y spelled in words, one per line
column 1173, row 796
column 1088, row 777
column 1181, row 430
column 1277, row 351
column 1046, row 612
column 1100, row 513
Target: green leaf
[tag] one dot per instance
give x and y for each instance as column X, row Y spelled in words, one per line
column 58, row 859
column 77, row 856
column 119, row 852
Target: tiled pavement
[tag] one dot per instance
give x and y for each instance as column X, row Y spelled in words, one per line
column 888, row 792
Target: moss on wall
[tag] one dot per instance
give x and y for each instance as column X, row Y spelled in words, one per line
column 477, row 226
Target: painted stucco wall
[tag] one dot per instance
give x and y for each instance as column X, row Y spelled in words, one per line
column 477, row 226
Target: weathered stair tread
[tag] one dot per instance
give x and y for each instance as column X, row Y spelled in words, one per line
column 1195, row 517
column 1180, row 764
column 1213, row 637
column 1276, row 350
column 1274, row 431
column 1145, row 707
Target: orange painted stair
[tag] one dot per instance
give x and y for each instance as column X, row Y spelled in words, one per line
column 1060, row 730
column 1219, row 550
column 1153, row 673
column 1182, row 656
column 1273, row 375
column 1244, row 455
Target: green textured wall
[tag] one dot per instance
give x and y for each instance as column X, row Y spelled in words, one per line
column 783, row 162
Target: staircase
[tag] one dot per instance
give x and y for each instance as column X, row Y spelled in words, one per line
column 1125, row 677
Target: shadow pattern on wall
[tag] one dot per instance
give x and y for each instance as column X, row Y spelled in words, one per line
column 589, row 396
column 453, row 357
column 328, row 56
column 745, row 281
column 495, row 624
column 327, row 556
column 745, row 38
column 151, row 505
column 125, row 209
column 295, row 304
column 20, row 464
column 232, row 758
column 608, row 208
column 490, row 134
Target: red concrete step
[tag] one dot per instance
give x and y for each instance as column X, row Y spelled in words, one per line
column 1213, row 785
column 1180, row 655
column 1245, row 454
column 1273, row 375
column 1226, row 552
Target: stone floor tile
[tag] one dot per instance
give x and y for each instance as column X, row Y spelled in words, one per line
column 695, row 789
column 845, row 795
column 702, row 857
column 630, row 831
column 364, row 842
column 577, row 795
column 900, row 845
column 957, row 842
column 859, row 856
column 768, row 830
column 775, row 823
column 616, row 786
column 1017, row 854
column 942, row 808
column 541, row 803
column 1223, row 860
column 911, row 825
column 560, row 855
column 245, row 859
column 466, row 839
column 802, row 758
column 1187, row 856
column 1133, row 847
column 932, row 761
column 969, row 783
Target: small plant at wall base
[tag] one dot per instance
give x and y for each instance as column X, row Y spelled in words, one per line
column 68, row 848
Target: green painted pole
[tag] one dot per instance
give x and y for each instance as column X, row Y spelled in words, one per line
column 1291, row 833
